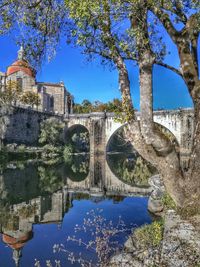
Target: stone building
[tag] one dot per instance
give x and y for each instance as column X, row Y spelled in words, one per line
column 54, row 97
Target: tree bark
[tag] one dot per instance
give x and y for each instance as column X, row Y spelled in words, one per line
column 165, row 158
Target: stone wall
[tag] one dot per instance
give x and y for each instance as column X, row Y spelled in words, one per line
column 21, row 126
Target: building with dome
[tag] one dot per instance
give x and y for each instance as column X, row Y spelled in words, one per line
column 54, row 97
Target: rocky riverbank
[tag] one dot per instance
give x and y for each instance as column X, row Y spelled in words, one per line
column 169, row 242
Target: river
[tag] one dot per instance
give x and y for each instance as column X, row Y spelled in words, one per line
column 42, row 203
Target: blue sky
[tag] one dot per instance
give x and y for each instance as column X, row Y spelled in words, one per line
column 93, row 81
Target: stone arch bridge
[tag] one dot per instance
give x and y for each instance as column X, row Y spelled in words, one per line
column 101, row 126
column 22, row 126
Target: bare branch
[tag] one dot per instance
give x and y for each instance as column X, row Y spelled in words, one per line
column 169, row 67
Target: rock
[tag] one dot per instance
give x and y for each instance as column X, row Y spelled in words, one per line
column 180, row 247
column 124, row 260
column 130, row 245
column 156, row 183
column 11, row 147
column 181, row 242
column 155, row 205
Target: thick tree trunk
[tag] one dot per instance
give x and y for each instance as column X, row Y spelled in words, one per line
column 190, row 75
column 160, row 151
column 192, row 183
column 167, row 166
column 146, row 98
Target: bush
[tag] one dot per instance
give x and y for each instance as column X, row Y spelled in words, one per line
column 51, row 152
column 21, row 148
column 51, row 132
column 168, row 202
column 68, row 150
column 150, row 235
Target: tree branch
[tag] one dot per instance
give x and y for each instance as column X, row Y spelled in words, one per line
column 165, row 20
column 169, row 67
column 194, row 51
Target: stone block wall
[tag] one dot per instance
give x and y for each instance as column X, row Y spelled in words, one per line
column 21, row 126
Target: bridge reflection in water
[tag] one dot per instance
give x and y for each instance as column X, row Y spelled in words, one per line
column 37, row 193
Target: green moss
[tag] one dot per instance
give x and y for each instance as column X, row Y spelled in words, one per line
column 150, row 235
column 168, row 202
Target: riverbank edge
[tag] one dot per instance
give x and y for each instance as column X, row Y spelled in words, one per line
column 169, row 241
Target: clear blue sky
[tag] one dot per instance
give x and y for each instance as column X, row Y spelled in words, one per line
column 93, row 81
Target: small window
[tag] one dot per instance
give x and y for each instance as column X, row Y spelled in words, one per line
column 51, row 102
column 19, row 84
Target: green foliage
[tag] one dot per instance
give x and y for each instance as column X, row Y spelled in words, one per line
column 150, row 235
column 51, row 132
column 30, row 98
column 21, row 148
column 77, row 167
column 133, row 170
column 11, row 94
column 78, row 138
column 168, row 202
column 50, row 179
column 51, row 152
column 82, row 168
column 67, row 153
column 141, row 171
column 86, row 106
column 37, row 25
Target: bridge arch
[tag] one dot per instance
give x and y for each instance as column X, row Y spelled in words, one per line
column 78, row 136
column 166, row 131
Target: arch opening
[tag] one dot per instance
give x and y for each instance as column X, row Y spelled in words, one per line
column 126, row 163
column 76, row 153
column 77, row 138
column 77, row 167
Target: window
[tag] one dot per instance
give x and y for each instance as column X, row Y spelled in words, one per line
column 19, row 84
column 51, row 102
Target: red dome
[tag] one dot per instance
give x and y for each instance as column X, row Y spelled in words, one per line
column 20, row 65
column 16, row 243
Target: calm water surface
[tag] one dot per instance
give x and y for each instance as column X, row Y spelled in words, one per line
column 41, row 204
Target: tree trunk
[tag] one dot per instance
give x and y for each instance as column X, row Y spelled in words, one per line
column 192, row 183
column 161, row 151
column 124, row 83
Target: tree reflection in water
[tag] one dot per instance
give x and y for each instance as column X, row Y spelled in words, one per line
column 131, row 168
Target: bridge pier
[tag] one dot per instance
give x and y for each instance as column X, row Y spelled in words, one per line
column 97, row 172
column 97, row 135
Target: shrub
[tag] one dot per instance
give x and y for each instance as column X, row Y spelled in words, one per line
column 51, row 132
column 150, row 235
column 168, row 202
column 21, row 148
column 68, row 150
